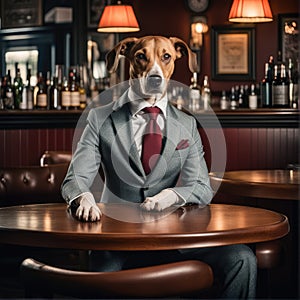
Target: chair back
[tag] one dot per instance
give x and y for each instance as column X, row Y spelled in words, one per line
column 166, row 280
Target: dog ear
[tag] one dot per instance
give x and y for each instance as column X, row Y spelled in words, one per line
column 182, row 49
column 122, row 48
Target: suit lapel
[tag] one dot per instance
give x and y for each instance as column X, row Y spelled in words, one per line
column 123, row 129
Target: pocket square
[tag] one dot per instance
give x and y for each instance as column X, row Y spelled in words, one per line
column 182, row 144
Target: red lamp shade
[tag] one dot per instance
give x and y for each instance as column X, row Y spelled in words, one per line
column 118, row 18
column 250, row 11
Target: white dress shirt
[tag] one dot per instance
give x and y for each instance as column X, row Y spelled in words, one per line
column 140, row 118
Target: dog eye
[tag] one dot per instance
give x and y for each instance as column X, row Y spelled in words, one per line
column 166, row 56
column 141, row 56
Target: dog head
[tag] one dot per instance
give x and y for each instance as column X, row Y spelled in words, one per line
column 151, row 62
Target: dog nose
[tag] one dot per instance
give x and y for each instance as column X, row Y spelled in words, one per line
column 154, row 81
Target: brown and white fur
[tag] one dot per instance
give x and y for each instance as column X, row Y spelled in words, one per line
column 151, row 62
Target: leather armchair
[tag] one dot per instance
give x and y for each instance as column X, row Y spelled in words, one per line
column 166, row 280
column 31, row 184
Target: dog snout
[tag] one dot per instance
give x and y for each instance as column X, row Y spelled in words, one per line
column 154, row 81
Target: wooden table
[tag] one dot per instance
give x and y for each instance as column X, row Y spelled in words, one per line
column 276, row 190
column 271, row 184
column 51, row 225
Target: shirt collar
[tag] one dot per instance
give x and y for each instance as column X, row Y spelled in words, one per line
column 136, row 104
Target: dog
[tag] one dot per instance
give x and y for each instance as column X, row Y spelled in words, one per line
column 151, row 62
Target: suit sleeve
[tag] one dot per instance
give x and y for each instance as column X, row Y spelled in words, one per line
column 194, row 184
column 85, row 162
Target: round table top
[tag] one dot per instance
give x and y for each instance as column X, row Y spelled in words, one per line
column 272, row 184
column 52, row 225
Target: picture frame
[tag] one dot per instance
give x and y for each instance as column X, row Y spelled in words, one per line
column 21, row 13
column 233, row 52
column 288, row 36
column 94, row 11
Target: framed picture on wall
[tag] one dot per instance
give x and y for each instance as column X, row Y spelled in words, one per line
column 94, row 11
column 233, row 53
column 21, row 13
column 288, row 36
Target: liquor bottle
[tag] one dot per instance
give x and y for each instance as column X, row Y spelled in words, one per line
column 49, row 83
column 81, row 88
column 59, row 69
column 18, row 89
column 180, row 102
column 258, row 92
column 234, row 104
column 28, row 92
column 1, row 98
column 205, row 93
column 271, row 65
column 73, row 87
column 243, row 103
column 266, row 87
column 65, row 95
column 8, row 96
column 252, row 97
column 280, row 87
column 179, row 97
column 94, row 92
column 41, row 96
column 293, row 84
column 55, row 94
column 195, row 95
column 224, row 101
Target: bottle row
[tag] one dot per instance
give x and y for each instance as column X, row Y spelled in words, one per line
column 278, row 89
column 56, row 92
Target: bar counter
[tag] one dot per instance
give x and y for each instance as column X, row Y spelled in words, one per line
column 240, row 118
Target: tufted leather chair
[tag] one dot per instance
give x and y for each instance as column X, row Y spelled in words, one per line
column 166, row 280
column 31, row 184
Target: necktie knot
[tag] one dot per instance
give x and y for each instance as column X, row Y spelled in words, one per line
column 152, row 111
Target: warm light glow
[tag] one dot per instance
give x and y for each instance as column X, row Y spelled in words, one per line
column 118, row 18
column 201, row 27
column 250, row 11
column 197, row 30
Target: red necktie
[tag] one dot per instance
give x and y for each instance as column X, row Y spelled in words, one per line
column 152, row 140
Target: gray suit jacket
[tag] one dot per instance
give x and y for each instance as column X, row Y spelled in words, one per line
column 107, row 140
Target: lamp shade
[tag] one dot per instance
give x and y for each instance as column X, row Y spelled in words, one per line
column 118, row 18
column 250, row 11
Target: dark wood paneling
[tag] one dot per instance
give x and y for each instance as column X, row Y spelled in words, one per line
column 257, row 148
column 24, row 147
column 247, row 148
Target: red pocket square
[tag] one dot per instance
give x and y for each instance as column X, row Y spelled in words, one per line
column 182, row 144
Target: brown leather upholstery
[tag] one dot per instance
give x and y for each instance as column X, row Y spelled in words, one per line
column 165, row 280
column 28, row 185
column 31, row 184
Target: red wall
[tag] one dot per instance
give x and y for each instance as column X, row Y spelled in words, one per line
column 172, row 18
